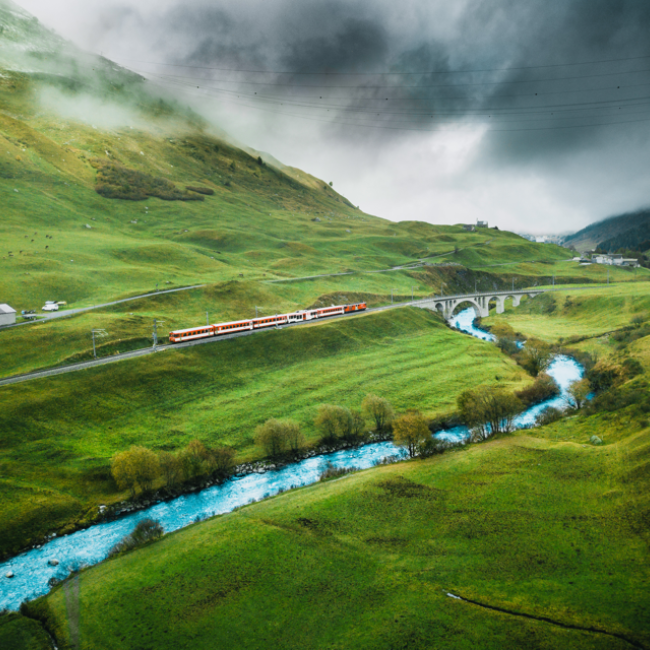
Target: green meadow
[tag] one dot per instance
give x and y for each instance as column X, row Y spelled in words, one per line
column 538, row 525
column 541, row 525
column 579, row 313
column 60, row 433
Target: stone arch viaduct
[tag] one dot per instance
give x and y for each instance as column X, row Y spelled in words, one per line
column 479, row 301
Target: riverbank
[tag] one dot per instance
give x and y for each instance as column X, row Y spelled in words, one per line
column 524, row 523
column 59, row 434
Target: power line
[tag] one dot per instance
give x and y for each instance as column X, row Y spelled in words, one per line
column 326, row 73
column 419, row 86
column 394, row 87
column 634, row 102
column 383, row 127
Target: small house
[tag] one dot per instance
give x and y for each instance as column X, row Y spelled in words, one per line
column 7, row 315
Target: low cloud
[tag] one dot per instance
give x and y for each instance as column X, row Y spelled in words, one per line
column 546, row 145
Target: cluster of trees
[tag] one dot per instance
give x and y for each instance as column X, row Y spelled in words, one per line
column 139, row 468
column 534, row 357
column 544, row 387
column 488, row 410
column 339, row 424
column 336, row 424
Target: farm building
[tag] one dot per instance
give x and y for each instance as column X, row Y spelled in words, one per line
column 7, row 315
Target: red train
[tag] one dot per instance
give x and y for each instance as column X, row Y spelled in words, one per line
column 178, row 336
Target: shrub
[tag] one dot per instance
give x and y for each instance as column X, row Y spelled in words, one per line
column 145, row 531
column 508, row 346
column 544, row 387
column 536, row 356
column 632, row 367
column 578, row 393
column 196, row 460
column 488, row 410
column 200, row 190
column 117, row 182
column 548, row 416
column 224, row 461
column 603, row 376
column 272, row 436
column 379, row 410
column 334, row 423
column 411, row 432
column 171, row 468
column 331, row 472
column 543, row 303
column 356, row 433
column 136, row 467
column 433, row 446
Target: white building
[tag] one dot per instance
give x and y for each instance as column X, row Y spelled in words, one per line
column 7, row 315
column 614, row 260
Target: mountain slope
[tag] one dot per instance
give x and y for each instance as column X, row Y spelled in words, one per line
column 622, row 231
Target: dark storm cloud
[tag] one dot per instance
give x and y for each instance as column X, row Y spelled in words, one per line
column 487, row 118
column 556, row 107
column 355, row 45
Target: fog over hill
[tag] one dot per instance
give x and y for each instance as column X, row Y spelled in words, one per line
column 532, row 116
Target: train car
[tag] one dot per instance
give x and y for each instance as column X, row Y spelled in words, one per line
column 233, row 327
column 192, row 334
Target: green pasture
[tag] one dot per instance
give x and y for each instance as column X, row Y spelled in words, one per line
column 544, row 526
column 585, row 312
column 20, row 633
column 59, row 433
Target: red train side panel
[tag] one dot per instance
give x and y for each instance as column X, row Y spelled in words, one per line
column 179, row 336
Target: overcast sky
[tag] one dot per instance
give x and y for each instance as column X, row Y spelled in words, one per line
column 421, row 109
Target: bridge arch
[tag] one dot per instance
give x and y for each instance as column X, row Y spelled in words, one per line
column 501, row 301
column 471, row 302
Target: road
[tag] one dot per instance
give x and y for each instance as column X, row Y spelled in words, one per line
column 49, row 315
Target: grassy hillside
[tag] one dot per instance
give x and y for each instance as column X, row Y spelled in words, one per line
column 536, row 525
column 584, row 313
column 77, row 129
column 20, row 633
column 60, row 433
column 622, row 231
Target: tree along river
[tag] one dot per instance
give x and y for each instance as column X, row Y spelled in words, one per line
column 31, row 570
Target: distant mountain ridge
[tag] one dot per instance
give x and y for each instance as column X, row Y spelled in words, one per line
column 627, row 230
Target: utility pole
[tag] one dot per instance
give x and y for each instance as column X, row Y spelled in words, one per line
column 553, row 279
column 100, row 333
column 155, row 331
